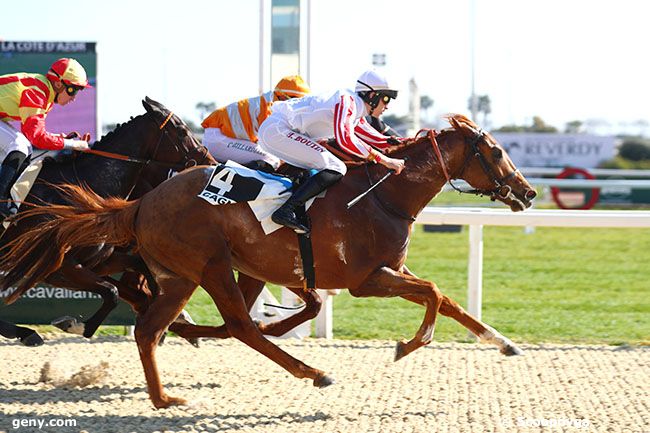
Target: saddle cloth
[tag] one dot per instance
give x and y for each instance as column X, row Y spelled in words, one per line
column 264, row 193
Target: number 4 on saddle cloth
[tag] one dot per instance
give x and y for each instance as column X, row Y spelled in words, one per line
column 264, row 193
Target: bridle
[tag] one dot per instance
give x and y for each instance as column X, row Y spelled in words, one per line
column 501, row 189
column 188, row 160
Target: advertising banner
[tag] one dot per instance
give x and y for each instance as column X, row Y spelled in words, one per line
column 557, row 150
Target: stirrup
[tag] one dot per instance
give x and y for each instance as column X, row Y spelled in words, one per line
column 290, row 221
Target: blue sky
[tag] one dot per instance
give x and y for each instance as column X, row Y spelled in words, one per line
column 562, row 60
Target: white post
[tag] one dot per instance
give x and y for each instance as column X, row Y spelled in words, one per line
column 475, row 270
column 323, row 328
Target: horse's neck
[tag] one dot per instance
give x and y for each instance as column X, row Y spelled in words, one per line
column 420, row 181
column 112, row 177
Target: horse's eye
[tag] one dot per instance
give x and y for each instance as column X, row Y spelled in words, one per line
column 497, row 153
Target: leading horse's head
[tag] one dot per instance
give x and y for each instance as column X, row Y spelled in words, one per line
column 487, row 167
column 185, row 149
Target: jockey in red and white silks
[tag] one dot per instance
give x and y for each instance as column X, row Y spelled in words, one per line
column 292, row 130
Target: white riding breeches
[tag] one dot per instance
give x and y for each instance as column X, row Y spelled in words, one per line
column 276, row 137
column 11, row 139
column 224, row 148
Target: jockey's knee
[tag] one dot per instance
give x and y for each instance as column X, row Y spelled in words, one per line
column 336, row 165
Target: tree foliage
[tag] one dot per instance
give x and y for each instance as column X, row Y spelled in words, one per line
column 538, row 125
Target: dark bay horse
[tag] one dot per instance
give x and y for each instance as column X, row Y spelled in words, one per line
column 153, row 144
column 186, row 242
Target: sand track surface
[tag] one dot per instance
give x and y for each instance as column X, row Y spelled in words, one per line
column 445, row 387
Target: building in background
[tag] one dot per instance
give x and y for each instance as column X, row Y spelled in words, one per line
column 284, row 41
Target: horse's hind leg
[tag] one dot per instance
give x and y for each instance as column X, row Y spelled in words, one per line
column 484, row 332
column 28, row 337
column 79, row 278
column 150, row 326
column 218, row 280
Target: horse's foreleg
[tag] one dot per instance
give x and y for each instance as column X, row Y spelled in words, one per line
column 313, row 304
column 218, row 280
column 484, row 332
column 385, row 282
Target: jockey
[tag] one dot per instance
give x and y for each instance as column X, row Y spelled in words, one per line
column 292, row 130
column 28, row 98
column 231, row 131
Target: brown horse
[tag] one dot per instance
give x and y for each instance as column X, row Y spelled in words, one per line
column 186, row 242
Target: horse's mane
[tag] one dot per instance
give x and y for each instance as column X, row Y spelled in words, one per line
column 103, row 142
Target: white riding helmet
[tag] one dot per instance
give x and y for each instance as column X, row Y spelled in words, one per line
column 371, row 81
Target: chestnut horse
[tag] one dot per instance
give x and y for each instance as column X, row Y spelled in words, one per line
column 187, row 242
column 144, row 150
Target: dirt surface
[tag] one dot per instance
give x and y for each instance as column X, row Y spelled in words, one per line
column 440, row 388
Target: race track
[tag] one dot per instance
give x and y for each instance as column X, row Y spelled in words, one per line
column 440, row 388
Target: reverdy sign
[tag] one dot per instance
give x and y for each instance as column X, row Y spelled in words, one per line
column 557, row 150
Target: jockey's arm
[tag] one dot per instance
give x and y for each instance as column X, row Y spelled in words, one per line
column 344, row 128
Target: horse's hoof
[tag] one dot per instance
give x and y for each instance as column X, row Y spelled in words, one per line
column 324, row 381
column 32, row 340
column 193, row 341
column 400, row 350
column 169, row 401
column 162, row 339
column 64, row 323
column 511, row 350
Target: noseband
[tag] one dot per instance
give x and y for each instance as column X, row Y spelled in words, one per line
column 500, row 190
column 188, row 160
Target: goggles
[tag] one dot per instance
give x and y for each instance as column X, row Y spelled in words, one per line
column 72, row 90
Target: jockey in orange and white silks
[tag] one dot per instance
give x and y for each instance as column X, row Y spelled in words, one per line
column 28, row 98
column 231, row 131
column 292, row 130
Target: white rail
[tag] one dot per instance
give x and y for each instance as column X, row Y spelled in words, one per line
column 476, row 218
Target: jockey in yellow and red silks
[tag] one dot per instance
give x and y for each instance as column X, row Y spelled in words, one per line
column 231, row 131
column 28, row 98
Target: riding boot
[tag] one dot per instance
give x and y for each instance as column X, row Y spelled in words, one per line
column 9, row 170
column 286, row 214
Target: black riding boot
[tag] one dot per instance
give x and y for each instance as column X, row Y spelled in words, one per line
column 9, row 171
column 286, row 215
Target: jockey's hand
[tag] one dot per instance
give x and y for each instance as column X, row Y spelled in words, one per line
column 75, row 134
column 70, row 143
column 392, row 140
column 393, row 164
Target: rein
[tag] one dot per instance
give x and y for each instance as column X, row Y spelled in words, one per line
column 501, row 188
column 190, row 162
column 386, row 208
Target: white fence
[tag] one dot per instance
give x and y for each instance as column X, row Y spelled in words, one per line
column 476, row 218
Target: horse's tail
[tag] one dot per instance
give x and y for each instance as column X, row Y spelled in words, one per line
column 88, row 220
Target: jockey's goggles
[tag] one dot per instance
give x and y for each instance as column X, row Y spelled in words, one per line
column 72, row 90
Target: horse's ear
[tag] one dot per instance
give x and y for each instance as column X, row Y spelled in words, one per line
column 151, row 105
column 147, row 103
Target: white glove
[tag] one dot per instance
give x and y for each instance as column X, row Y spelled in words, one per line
column 71, row 143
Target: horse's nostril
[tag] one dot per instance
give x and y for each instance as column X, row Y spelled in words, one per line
column 531, row 194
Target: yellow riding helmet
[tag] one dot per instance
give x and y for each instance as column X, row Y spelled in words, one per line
column 292, row 86
column 69, row 71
